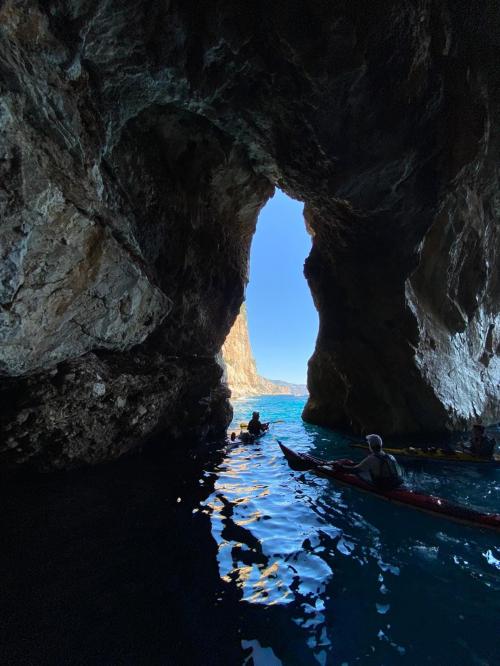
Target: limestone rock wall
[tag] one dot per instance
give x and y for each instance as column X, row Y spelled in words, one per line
column 240, row 369
column 138, row 142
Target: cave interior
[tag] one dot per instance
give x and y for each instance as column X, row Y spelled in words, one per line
column 140, row 141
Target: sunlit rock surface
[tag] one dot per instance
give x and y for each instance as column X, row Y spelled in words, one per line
column 240, row 369
column 138, row 142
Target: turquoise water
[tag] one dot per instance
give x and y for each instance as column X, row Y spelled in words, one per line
column 329, row 575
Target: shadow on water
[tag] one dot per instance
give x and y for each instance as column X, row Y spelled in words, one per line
column 110, row 565
column 162, row 559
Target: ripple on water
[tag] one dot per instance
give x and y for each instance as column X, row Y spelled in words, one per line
column 362, row 580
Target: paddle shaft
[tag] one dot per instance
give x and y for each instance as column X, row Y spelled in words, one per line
column 245, row 425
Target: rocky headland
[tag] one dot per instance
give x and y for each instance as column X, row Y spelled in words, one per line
column 240, row 369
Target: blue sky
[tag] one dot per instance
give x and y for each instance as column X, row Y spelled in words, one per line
column 282, row 319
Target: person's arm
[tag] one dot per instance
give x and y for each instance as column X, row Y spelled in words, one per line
column 349, row 467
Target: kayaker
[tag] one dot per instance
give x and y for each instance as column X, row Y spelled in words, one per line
column 480, row 445
column 379, row 468
column 255, row 427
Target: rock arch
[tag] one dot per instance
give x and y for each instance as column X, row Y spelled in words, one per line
column 140, row 140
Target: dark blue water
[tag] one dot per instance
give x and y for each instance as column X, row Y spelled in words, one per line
column 329, row 575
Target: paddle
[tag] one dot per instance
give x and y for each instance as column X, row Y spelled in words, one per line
column 245, row 425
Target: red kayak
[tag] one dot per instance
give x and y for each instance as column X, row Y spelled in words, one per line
column 437, row 506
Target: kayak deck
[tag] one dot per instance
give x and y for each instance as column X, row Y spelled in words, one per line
column 431, row 504
column 439, row 455
column 247, row 438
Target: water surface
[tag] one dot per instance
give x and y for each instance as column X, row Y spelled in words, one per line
column 332, row 576
column 181, row 557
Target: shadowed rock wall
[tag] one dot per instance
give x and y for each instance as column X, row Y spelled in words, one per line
column 139, row 141
column 405, row 271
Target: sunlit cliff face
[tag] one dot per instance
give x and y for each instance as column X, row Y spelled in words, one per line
column 139, row 143
column 240, row 368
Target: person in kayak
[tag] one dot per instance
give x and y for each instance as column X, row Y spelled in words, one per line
column 480, row 445
column 379, row 468
column 255, row 427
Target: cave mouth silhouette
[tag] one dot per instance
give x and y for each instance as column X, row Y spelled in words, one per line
column 282, row 318
column 153, row 151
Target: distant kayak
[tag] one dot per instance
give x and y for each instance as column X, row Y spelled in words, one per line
column 248, row 438
column 438, row 455
column 437, row 506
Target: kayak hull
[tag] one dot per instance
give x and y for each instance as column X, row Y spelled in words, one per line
column 431, row 504
column 437, row 456
column 247, row 438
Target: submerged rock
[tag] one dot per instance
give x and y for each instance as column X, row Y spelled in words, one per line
column 138, row 143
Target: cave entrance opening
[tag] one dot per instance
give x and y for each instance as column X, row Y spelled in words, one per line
column 275, row 333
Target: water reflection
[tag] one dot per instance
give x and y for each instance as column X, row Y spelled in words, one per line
column 360, row 579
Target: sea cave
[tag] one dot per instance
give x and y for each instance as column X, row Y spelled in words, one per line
column 139, row 143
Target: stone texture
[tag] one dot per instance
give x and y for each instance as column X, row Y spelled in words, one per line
column 410, row 341
column 139, row 140
column 240, row 368
column 76, row 283
column 97, row 408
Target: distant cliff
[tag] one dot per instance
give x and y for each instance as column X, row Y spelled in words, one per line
column 241, row 370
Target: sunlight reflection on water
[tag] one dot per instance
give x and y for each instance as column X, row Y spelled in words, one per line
column 358, row 578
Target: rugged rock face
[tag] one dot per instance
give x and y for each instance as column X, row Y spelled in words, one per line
column 120, row 280
column 139, row 141
column 240, row 369
column 414, row 344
